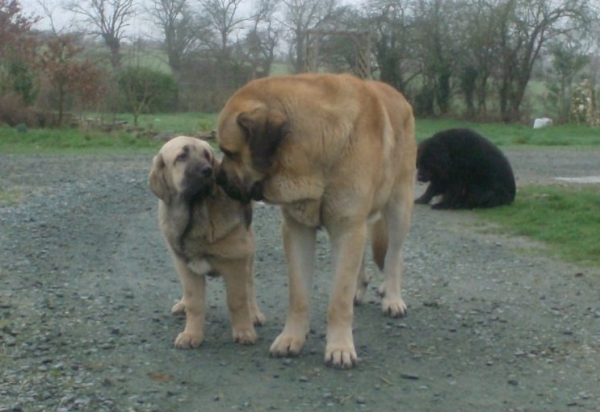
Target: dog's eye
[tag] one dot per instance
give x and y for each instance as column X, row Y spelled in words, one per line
column 207, row 154
column 181, row 156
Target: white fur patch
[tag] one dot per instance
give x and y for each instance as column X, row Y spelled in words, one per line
column 200, row 266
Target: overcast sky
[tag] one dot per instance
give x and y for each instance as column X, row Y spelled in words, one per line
column 67, row 21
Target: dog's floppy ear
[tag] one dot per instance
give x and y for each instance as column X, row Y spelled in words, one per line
column 156, row 179
column 265, row 129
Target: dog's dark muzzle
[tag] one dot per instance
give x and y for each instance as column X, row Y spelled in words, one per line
column 238, row 191
column 199, row 179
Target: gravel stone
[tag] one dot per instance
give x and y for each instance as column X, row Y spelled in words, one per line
column 86, row 286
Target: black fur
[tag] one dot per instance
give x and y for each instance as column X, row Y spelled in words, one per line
column 466, row 169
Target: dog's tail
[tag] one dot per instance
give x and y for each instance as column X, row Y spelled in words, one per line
column 379, row 242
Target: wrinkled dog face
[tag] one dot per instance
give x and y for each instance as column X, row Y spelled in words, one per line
column 184, row 167
column 249, row 141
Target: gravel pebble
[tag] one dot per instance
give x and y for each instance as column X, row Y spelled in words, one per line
column 86, row 287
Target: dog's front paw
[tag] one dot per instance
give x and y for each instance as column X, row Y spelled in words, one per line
column 395, row 308
column 341, row 356
column 186, row 340
column 257, row 317
column 287, row 345
column 178, row 308
column 245, row 336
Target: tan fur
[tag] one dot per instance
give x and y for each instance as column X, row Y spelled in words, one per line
column 219, row 240
column 335, row 152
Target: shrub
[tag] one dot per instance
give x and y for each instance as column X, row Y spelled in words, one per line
column 144, row 90
column 13, row 110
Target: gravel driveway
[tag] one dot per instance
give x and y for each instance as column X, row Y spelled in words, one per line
column 86, row 287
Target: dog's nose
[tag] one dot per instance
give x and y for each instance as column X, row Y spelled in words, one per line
column 207, row 171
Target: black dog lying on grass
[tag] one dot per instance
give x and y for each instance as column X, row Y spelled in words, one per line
column 465, row 168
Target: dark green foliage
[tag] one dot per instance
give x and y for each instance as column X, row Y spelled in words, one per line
column 145, row 90
column 22, row 79
column 424, row 101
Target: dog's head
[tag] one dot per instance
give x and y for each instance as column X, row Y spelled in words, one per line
column 185, row 167
column 249, row 140
column 433, row 161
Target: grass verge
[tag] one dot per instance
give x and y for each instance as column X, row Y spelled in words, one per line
column 517, row 134
column 77, row 141
column 567, row 218
column 70, row 141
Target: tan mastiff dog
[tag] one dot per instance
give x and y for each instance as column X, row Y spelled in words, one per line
column 208, row 234
column 336, row 152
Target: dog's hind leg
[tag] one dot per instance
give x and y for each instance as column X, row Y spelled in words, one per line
column 491, row 197
column 362, row 283
column 455, row 197
column 379, row 244
column 397, row 215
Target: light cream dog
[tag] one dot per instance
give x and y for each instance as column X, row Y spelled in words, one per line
column 335, row 152
column 208, row 233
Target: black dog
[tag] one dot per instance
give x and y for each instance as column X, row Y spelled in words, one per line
column 466, row 169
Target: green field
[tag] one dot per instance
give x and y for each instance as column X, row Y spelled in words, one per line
column 567, row 218
column 73, row 140
column 516, row 134
column 57, row 140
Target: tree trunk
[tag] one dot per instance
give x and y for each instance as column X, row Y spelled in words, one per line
column 443, row 90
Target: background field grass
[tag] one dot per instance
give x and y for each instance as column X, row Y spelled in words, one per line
column 565, row 217
column 517, row 134
column 57, row 140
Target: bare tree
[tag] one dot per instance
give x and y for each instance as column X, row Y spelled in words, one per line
column 17, row 56
column 391, row 23
column 225, row 18
column 301, row 16
column 68, row 71
column 525, row 28
column 226, row 23
column 180, row 29
column 570, row 54
column 435, row 21
column 109, row 19
column 478, row 53
column 262, row 38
